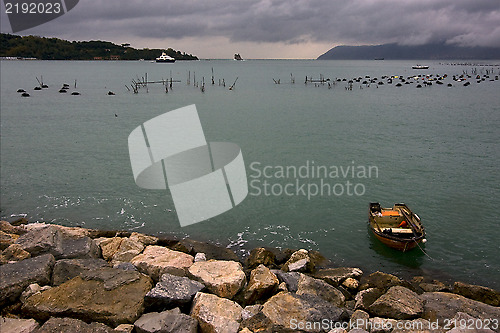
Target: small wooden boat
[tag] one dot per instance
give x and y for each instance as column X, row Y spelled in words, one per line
column 397, row 227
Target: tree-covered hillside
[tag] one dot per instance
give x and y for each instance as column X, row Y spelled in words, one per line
column 57, row 49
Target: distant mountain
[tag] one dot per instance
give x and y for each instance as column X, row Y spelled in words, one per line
column 401, row 52
column 57, row 49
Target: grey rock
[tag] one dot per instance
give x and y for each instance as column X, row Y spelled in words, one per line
column 50, row 239
column 443, row 306
column 290, row 278
column 165, row 322
column 78, row 248
column 15, row 277
column 312, row 286
column 126, row 266
column 11, row 325
column 112, row 278
column 41, row 241
column 66, row 269
column 59, row 325
column 172, row 291
column 398, row 303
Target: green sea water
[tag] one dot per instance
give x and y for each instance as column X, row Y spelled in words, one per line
column 64, row 158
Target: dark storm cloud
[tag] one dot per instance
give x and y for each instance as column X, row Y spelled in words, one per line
column 463, row 22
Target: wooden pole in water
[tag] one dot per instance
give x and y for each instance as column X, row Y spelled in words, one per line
column 232, row 87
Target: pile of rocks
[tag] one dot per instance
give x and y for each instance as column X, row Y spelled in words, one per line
column 66, row 279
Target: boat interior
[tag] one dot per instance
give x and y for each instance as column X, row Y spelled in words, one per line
column 395, row 221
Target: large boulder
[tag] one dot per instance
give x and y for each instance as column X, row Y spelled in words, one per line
column 262, row 284
column 157, row 260
column 42, row 240
column 66, row 269
column 287, row 312
column 50, row 239
column 335, row 276
column 11, row 325
column 366, row 297
column 398, row 303
column 223, row 278
column 107, row 295
column 15, row 277
column 212, row 252
column 216, row 314
column 260, row 256
column 478, row 293
column 380, row 280
column 312, row 286
column 442, row 306
column 172, row 321
column 172, row 291
column 58, row 325
column 78, row 248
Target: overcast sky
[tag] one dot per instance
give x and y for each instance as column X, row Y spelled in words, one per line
column 274, row 28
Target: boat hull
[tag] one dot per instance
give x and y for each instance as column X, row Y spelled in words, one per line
column 397, row 244
column 165, row 61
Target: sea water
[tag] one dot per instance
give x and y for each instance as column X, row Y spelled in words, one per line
column 316, row 154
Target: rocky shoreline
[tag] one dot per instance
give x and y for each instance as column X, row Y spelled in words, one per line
column 71, row 279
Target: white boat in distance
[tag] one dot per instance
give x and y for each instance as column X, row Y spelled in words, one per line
column 420, row 67
column 165, row 58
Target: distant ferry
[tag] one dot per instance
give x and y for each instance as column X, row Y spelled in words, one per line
column 420, row 67
column 165, row 58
